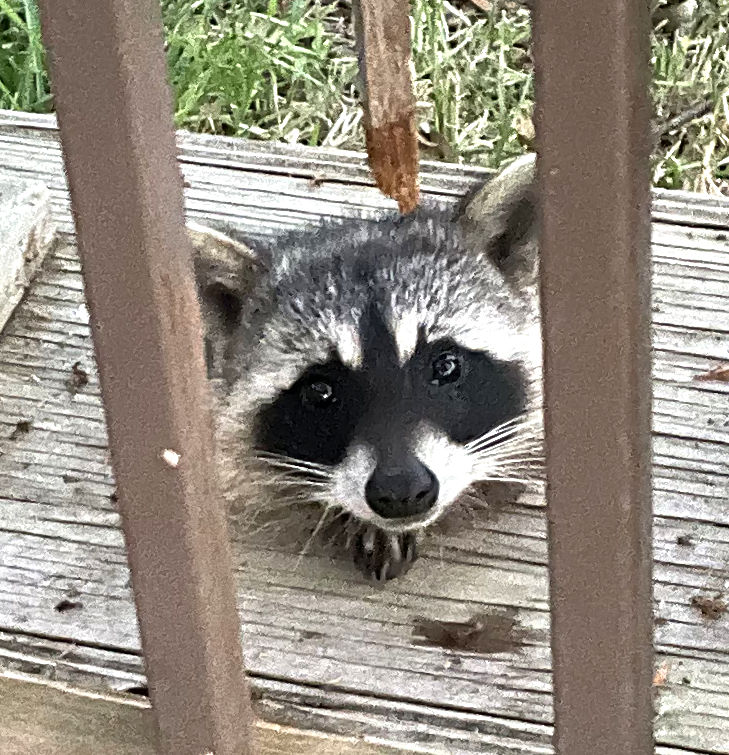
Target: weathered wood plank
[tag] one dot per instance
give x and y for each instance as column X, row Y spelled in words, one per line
column 22, row 134
column 329, row 164
column 51, row 718
column 322, row 647
column 415, row 727
column 26, row 233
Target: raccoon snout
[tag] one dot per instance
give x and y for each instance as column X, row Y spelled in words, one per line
column 401, row 490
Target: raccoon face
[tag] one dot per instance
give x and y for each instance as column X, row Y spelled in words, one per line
column 379, row 369
column 396, row 433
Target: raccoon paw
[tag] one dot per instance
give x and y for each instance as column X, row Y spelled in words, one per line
column 381, row 556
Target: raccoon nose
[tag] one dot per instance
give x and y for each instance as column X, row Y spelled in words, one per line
column 400, row 490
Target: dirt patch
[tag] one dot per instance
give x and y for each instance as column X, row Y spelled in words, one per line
column 486, row 633
column 21, row 428
column 77, row 380
column 710, row 608
column 65, row 605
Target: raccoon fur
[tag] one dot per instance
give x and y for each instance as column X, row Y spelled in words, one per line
column 378, row 369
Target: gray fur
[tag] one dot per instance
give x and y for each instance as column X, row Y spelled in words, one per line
column 288, row 305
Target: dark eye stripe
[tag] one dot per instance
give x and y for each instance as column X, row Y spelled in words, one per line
column 463, row 392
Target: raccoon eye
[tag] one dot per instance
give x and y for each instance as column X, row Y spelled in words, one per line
column 446, row 368
column 317, row 393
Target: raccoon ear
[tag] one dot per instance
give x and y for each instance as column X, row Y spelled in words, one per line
column 500, row 220
column 226, row 271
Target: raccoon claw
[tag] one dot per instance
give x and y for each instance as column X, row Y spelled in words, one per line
column 382, row 556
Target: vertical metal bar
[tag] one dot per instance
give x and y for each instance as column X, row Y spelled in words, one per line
column 115, row 116
column 592, row 68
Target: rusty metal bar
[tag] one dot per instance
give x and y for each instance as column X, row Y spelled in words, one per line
column 115, row 116
column 592, row 72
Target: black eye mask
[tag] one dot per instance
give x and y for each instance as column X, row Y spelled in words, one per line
column 463, row 392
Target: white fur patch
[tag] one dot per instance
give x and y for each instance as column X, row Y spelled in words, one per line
column 349, row 346
column 349, row 480
column 491, row 334
column 405, row 332
column 450, row 462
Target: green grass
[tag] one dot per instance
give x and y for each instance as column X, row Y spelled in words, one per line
column 285, row 70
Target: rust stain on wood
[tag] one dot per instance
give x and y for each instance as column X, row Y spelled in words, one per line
column 486, row 633
column 719, row 374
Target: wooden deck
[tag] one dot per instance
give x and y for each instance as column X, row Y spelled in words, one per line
column 324, row 650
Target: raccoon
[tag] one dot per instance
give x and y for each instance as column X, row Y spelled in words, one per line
column 378, row 369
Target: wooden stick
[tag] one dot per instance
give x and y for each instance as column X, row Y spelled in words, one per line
column 382, row 29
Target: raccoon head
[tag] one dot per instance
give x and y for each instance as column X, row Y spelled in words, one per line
column 381, row 368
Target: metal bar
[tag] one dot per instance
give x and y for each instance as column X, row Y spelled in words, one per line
column 592, row 75
column 115, row 116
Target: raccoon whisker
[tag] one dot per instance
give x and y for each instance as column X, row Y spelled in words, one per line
column 527, row 460
column 489, row 470
column 527, row 466
column 529, row 452
column 294, row 466
column 335, row 536
column 277, row 514
column 293, row 482
column 505, row 478
column 264, row 519
column 523, row 420
column 489, row 467
column 287, row 478
column 505, row 428
column 507, row 423
column 272, row 499
column 287, row 499
column 512, row 475
column 252, row 532
column 328, row 509
column 273, row 457
column 288, row 468
column 524, row 441
column 513, row 433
